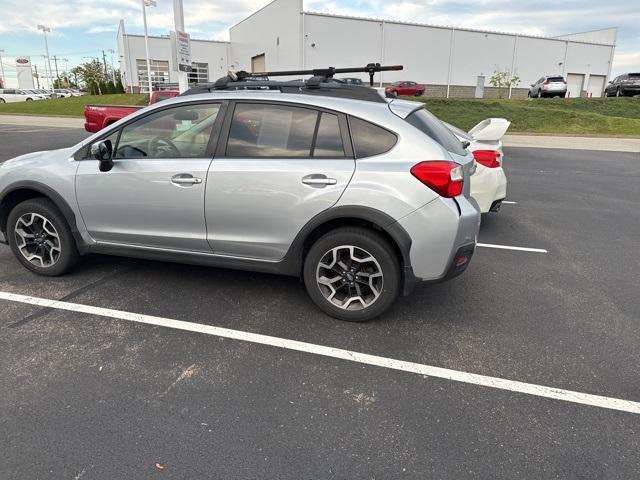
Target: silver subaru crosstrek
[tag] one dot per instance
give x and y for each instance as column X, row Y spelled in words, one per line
column 359, row 196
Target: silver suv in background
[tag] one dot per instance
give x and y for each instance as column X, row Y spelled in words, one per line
column 359, row 196
column 549, row 86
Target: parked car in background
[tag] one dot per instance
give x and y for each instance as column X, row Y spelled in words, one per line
column 405, row 88
column 624, row 85
column 548, row 86
column 40, row 94
column 359, row 197
column 11, row 95
column 99, row 116
column 62, row 92
column 488, row 182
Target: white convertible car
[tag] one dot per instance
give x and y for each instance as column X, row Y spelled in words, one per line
column 488, row 183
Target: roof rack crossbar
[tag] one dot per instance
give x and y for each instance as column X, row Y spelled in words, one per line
column 318, row 74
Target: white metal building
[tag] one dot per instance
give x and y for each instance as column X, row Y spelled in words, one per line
column 450, row 61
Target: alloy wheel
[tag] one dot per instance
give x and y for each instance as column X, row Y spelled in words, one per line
column 349, row 277
column 37, row 240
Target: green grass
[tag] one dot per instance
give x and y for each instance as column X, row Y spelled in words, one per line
column 579, row 116
column 71, row 107
column 576, row 116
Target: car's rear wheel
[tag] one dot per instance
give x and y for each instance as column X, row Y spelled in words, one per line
column 29, row 99
column 352, row 274
column 1, row 100
column 618, row 94
column 41, row 238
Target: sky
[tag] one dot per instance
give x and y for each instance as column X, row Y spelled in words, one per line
column 82, row 29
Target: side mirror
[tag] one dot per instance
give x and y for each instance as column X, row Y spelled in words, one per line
column 103, row 151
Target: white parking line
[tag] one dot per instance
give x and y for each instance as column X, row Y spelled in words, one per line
column 509, row 247
column 509, row 203
column 411, row 367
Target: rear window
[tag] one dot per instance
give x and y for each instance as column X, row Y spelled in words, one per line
column 634, row 76
column 556, row 79
column 428, row 124
column 370, row 139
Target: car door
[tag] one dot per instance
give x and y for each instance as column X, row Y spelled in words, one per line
column 153, row 196
column 277, row 166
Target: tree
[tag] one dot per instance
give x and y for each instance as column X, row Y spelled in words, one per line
column 119, row 86
column 93, row 76
column 503, row 79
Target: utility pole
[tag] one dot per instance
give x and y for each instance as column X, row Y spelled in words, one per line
column 104, row 61
column 46, row 46
column 55, row 62
column 145, row 4
column 35, row 67
column 4, row 82
column 178, row 18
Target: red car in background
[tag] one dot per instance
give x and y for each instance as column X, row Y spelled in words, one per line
column 405, row 88
column 99, row 116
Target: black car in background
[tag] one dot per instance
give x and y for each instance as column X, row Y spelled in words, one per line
column 624, row 85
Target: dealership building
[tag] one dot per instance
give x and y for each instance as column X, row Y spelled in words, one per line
column 451, row 61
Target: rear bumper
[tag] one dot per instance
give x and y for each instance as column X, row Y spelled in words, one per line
column 487, row 186
column 630, row 89
column 439, row 231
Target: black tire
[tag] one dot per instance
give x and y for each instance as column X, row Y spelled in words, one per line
column 540, row 93
column 2, row 100
column 29, row 100
column 370, row 242
column 618, row 93
column 562, row 95
column 68, row 255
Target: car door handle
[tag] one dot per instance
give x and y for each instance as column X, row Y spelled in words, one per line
column 318, row 180
column 185, row 179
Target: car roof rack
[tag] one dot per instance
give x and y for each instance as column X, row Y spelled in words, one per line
column 320, row 83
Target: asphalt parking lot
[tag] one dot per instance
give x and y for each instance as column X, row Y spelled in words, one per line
column 93, row 396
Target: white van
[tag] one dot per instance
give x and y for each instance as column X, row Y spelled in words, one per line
column 10, row 95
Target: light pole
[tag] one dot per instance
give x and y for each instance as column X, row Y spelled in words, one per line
column 113, row 69
column 145, row 4
column 4, row 82
column 46, row 47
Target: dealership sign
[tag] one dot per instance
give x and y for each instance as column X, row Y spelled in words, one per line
column 181, row 46
column 24, row 73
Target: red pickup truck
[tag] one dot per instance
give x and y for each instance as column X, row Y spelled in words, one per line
column 99, row 116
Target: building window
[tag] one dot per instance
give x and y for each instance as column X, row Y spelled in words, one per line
column 159, row 73
column 199, row 73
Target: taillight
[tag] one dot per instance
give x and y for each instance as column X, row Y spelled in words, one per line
column 444, row 178
column 546, row 82
column 488, row 158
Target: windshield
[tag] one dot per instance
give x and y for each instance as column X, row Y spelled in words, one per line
column 429, row 124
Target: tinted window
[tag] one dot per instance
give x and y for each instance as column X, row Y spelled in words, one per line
column 427, row 123
column 370, row 139
column 271, row 131
column 328, row 138
column 178, row 132
column 634, row 76
column 556, row 79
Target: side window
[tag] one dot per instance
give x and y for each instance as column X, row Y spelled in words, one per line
column 262, row 130
column 370, row 139
column 328, row 139
column 178, row 132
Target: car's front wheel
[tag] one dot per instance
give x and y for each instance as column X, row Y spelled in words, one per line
column 41, row 238
column 352, row 274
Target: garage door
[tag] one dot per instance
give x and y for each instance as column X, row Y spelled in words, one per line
column 574, row 84
column 258, row 64
column 596, row 85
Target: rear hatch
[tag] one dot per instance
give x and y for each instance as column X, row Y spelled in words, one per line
column 555, row 83
column 633, row 79
column 430, row 125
